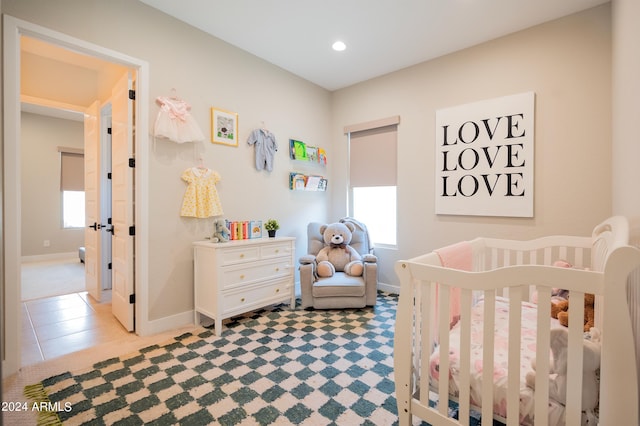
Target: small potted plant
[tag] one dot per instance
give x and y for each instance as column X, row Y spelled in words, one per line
column 271, row 226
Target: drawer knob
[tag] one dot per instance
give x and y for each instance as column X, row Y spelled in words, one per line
column 242, row 300
column 277, row 290
column 277, row 269
column 242, row 277
column 277, row 250
column 241, row 255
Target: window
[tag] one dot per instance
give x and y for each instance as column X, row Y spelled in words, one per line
column 375, row 206
column 72, row 187
column 73, row 209
column 372, row 177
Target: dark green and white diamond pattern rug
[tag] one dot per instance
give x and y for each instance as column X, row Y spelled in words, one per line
column 273, row 366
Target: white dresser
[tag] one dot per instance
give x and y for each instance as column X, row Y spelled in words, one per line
column 240, row 276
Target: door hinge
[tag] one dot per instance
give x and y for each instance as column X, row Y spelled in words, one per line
column 110, row 265
column 132, row 298
column 132, row 95
column 109, row 175
column 109, row 131
column 132, row 162
column 132, row 230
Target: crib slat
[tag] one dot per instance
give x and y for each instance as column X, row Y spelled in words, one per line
column 427, row 328
column 541, row 396
column 443, row 320
column 487, row 356
column 513, row 377
column 465, row 357
column 575, row 354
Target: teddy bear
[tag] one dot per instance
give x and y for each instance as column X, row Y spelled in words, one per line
column 338, row 255
column 559, row 338
column 560, row 310
column 560, row 303
column 221, row 233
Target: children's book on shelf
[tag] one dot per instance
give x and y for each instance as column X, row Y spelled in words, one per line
column 322, row 185
column 297, row 150
column 297, row 181
column 313, row 183
column 302, row 182
column 256, row 229
column 322, row 156
column 312, row 154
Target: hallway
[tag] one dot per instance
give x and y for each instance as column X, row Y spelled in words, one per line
column 56, row 326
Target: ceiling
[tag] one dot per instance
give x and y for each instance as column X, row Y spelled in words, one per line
column 382, row 36
column 62, row 83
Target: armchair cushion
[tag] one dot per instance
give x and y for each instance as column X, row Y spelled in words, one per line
column 339, row 285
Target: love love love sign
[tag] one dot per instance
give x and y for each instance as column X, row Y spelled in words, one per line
column 484, row 157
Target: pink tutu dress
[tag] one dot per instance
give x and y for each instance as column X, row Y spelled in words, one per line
column 174, row 121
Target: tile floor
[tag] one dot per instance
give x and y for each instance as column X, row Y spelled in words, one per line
column 60, row 325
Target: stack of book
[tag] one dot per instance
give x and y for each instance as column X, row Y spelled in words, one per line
column 245, row 229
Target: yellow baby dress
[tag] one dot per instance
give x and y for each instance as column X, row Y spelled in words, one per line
column 201, row 197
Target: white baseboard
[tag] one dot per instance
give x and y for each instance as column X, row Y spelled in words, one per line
column 185, row 319
column 389, row 288
column 50, row 257
column 172, row 322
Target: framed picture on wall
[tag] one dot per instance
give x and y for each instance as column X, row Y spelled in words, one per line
column 224, row 127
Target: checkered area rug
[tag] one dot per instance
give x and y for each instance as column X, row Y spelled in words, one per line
column 274, row 366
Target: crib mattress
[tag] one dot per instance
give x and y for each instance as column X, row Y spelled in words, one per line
column 528, row 352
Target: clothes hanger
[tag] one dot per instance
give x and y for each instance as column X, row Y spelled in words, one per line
column 200, row 165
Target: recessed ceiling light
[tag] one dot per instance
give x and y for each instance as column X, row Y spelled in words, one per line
column 339, row 46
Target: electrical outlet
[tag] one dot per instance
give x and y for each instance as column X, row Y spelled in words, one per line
column 47, row 243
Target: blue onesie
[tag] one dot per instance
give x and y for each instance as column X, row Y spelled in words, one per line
column 266, row 148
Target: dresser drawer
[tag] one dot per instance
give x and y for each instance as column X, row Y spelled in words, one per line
column 233, row 276
column 248, row 298
column 275, row 250
column 230, row 256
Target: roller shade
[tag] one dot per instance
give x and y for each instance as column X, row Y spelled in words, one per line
column 71, row 170
column 372, row 157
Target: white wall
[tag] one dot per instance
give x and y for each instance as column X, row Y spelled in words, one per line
column 41, row 199
column 626, row 108
column 566, row 63
column 205, row 72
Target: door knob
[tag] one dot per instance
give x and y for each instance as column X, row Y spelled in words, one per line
column 95, row 226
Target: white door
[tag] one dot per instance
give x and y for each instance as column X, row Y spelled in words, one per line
column 105, row 197
column 92, row 233
column 122, row 204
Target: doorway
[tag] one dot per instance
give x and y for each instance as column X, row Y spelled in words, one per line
column 14, row 30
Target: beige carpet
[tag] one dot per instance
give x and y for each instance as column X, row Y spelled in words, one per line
column 52, row 278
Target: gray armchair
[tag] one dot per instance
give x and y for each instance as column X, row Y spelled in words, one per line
column 341, row 290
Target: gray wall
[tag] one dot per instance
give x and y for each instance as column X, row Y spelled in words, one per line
column 41, row 198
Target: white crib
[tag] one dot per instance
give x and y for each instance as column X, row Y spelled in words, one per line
column 509, row 271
